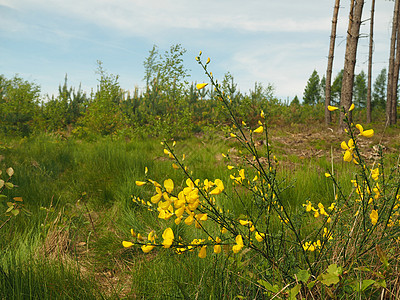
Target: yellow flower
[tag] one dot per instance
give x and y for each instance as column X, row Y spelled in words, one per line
column 239, row 244
column 152, row 236
column 241, row 174
column 351, row 107
column 220, row 187
column 332, row 108
column 260, row 236
column 348, row 155
column 367, row 133
column 374, row 217
column 169, row 185
column 168, row 236
column 233, row 135
column 208, row 61
column 127, row 244
column 200, row 86
column 147, row 248
column 327, row 175
column 375, row 174
column 203, row 252
column 140, row 183
column 175, row 166
column 260, row 129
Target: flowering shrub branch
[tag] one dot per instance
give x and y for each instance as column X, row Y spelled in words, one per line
column 310, row 253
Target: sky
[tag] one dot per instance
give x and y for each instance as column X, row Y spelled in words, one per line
column 269, row 42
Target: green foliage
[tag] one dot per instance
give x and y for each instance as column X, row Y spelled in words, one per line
column 379, row 92
column 312, row 91
column 103, row 115
column 18, row 105
column 360, row 90
column 336, row 89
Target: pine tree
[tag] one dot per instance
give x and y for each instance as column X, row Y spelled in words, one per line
column 312, row 94
column 379, row 93
column 336, row 89
column 360, row 90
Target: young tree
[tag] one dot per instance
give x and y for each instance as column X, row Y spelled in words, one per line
column 379, row 93
column 360, row 90
column 336, row 89
column 328, row 117
column 18, row 105
column 353, row 34
column 312, row 90
column 371, row 46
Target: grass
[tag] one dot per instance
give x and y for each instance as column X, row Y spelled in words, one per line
column 79, row 196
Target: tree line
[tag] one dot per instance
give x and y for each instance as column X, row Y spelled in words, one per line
column 314, row 91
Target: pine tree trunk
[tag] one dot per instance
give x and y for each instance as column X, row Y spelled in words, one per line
column 396, row 73
column 371, row 46
column 328, row 118
column 390, row 101
column 350, row 58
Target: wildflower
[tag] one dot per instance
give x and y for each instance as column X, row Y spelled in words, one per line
column 239, row 244
column 140, row 183
column 217, row 248
column 327, row 175
column 175, row 166
column 168, row 236
column 220, row 187
column 260, row 236
column 351, row 107
column 241, row 174
column 127, row 244
column 367, row 133
column 169, row 185
column 374, row 217
column 349, row 147
column 208, row 61
column 152, row 236
column 375, row 174
column 147, row 248
column 156, row 197
column 332, row 108
column 203, row 252
column 260, row 129
column 308, row 206
column 200, row 86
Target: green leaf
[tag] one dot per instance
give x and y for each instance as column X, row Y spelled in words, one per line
column 366, row 283
column 15, row 212
column 311, row 284
column 294, row 291
column 303, row 276
column 10, row 209
column 381, row 283
column 2, row 197
column 9, row 185
column 272, row 288
column 382, row 256
column 332, row 275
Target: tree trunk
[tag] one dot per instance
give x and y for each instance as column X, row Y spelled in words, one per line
column 396, row 72
column 328, row 118
column 371, row 47
column 350, row 58
column 390, row 101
